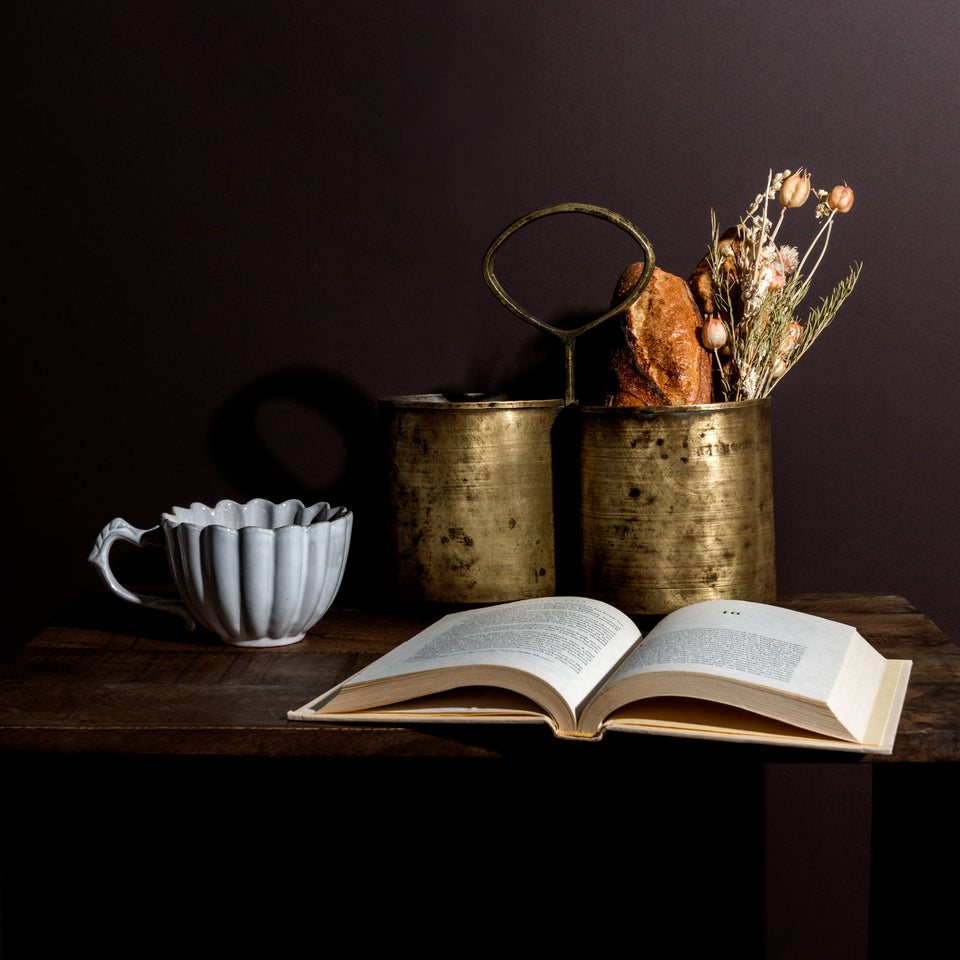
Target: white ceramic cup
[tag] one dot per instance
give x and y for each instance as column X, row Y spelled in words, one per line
column 257, row 574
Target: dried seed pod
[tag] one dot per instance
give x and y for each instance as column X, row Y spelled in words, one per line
column 840, row 198
column 713, row 334
column 795, row 190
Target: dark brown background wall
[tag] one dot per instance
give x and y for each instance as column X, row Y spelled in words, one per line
column 235, row 224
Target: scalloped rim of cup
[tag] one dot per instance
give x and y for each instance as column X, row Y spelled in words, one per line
column 320, row 512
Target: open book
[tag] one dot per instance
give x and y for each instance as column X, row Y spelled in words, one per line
column 719, row 670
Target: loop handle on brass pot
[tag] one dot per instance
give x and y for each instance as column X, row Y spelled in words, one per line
column 119, row 529
column 569, row 337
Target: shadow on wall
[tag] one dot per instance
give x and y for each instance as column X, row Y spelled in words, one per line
column 312, row 433
column 339, row 464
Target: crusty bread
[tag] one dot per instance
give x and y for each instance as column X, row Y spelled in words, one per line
column 660, row 360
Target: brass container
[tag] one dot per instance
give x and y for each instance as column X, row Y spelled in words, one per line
column 469, row 498
column 676, row 505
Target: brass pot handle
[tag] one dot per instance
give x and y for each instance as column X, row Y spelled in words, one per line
column 569, row 337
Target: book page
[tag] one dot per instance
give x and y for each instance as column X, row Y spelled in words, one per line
column 569, row 642
column 758, row 643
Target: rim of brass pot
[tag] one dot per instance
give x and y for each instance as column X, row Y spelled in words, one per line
column 469, row 401
column 678, row 408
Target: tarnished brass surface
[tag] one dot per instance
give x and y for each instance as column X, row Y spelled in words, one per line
column 676, row 505
column 470, row 498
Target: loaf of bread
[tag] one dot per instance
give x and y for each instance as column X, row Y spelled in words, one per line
column 660, row 360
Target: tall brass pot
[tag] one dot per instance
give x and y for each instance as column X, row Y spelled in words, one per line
column 469, row 498
column 676, row 504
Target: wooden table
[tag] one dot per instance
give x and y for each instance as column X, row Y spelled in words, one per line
column 111, row 683
column 117, row 680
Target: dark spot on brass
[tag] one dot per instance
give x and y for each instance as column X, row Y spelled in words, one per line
column 459, row 535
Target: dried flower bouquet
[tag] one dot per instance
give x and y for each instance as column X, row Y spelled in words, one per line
column 749, row 289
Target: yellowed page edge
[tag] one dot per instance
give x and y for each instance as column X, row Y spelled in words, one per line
column 885, row 719
column 882, row 729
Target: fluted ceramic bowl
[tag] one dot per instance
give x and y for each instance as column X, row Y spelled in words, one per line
column 256, row 574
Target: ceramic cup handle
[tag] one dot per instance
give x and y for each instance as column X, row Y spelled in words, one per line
column 119, row 529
